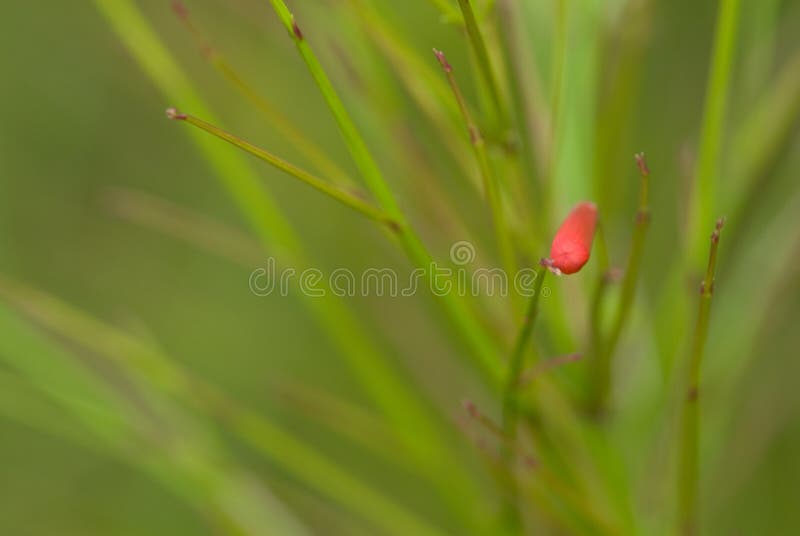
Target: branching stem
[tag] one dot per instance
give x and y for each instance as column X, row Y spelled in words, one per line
column 353, row 201
column 465, row 325
column 490, row 184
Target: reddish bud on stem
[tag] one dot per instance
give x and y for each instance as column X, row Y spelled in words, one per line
column 442, row 60
column 573, row 241
column 175, row 115
column 296, row 29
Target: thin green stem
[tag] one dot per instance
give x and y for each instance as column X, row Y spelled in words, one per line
column 147, row 361
column 760, row 138
column 420, row 432
column 717, row 94
column 422, row 82
column 526, row 104
column 490, row 184
column 346, row 198
column 484, row 62
column 353, row 139
column 690, row 419
column 471, row 332
column 557, row 78
column 517, row 361
column 604, row 281
column 315, row 155
column 601, row 380
column 511, row 405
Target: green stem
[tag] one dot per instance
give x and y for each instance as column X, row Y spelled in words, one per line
column 353, row 201
column 511, row 505
column 418, row 430
column 607, row 276
column 484, row 62
column 690, row 421
column 517, row 360
column 601, row 380
column 353, row 139
column 716, row 101
column 422, row 82
column 471, row 332
column 146, row 361
column 315, row 155
column 557, row 78
column 490, row 184
column 524, row 102
column 760, row 139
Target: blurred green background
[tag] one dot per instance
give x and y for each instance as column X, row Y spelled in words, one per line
column 83, row 132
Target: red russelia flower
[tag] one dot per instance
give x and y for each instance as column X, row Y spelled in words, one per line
column 573, row 241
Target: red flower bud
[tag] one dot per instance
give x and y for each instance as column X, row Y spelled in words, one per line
column 573, row 241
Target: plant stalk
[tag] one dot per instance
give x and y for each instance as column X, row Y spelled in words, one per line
column 517, row 361
column 601, row 380
column 484, row 62
column 490, row 184
column 716, row 101
column 690, row 418
column 484, row 349
column 348, row 199
column 315, row 155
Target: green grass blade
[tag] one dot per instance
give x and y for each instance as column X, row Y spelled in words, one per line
column 117, row 427
column 484, row 62
column 601, row 374
column 418, row 430
column 690, row 417
column 491, row 187
column 705, row 196
column 276, row 119
column 158, row 372
column 348, row 199
column 470, row 331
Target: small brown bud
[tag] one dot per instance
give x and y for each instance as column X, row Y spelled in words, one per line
column 296, row 30
column 175, row 115
column 443, row 60
column 642, row 163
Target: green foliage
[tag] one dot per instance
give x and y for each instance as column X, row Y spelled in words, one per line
column 633, row 405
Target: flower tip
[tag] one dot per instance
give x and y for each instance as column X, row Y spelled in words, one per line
column 175, row 115
column 717, row 230
column 298, row 33
column 573, row 241
column 550, row 265
column 642, row 163
column 442, row 60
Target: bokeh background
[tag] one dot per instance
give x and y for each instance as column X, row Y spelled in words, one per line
column 87, row 156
